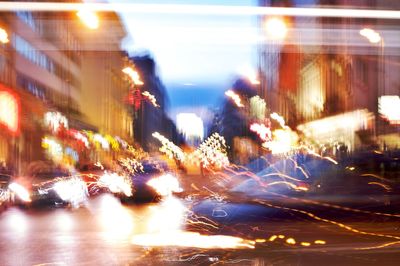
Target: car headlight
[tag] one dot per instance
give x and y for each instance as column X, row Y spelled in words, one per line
column 116, row 183
column 71, row 190
column 20, row 191
column 165, row 185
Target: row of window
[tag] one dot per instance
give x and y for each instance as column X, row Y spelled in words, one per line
column 32, row 54
column 28, row 19
column 24, row 48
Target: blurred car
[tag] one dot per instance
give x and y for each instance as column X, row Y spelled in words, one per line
column 102, row 179
column 152, row 183
column 48, row 185
column 90, row 174
column 5, row 194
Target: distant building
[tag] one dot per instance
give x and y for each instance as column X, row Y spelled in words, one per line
column 191, row 127
column 150, row 118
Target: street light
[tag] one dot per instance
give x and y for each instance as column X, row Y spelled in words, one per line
column 89, row 18
column 371, row 35
column 3, row 36
column 276, row 28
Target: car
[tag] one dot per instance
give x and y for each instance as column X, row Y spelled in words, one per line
column 152, row 183
column 48, row 185
column 5, row 194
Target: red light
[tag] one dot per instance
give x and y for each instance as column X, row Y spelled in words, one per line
column 9, row 110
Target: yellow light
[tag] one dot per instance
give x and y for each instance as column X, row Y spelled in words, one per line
column 3, row 36
column 276, row 28
column 133, row 74
column 291, row 241
column 235, row 97
column 371, row 35
column 89, row 18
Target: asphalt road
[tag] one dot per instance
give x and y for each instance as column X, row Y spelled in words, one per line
column 104, row 232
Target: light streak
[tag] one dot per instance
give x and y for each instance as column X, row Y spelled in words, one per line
column 133, row 74
column 116, row 183
column 192, row 239
column 211, row 152
column 201, row 9
column 380, row 246
column 386, row 187
column 279, row 119
column 338, row 206
column 272, row 238
column 169, row 148
column 317, row 218
column 305, row 244
column 152, row 99
column 291, row 185
column 320, row 242
column 235, row 97
column 262, row 131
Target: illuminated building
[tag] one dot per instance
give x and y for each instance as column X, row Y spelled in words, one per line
column 104, row 84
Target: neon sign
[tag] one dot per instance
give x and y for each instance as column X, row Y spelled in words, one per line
column 9, row 110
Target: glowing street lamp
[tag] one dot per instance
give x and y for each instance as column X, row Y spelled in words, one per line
column 276, row 28
column 371, row 35
column 3, row 36
column 89, row 18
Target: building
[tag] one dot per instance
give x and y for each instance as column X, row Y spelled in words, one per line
column 53, row 64
column 152, row 116
column 324, row 68
column 104, row 85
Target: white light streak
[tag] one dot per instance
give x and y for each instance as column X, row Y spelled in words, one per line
column 200, row 9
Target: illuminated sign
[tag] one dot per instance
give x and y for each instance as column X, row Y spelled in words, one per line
column 389, row 108
column 9, row 110
column 54, row 120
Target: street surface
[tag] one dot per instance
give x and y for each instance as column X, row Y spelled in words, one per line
column 103, row 233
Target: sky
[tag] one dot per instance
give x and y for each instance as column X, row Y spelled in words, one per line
column 198, row 56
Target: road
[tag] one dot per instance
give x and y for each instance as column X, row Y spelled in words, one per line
column 105, row 232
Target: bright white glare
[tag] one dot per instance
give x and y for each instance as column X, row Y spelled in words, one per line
column 20, row 191
column 115, row 219
column 72, row 190
column 17, row 221
column 3, row 36
column 371, row 35
column 64, row 221
column 89, row 18
column 276, row 28
column 248, row 72
column 191, row 239
column 190, row 125
column 389, row 108
column 170, row 211
column 200, row 9
column 165, row 185
column 116, row 183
